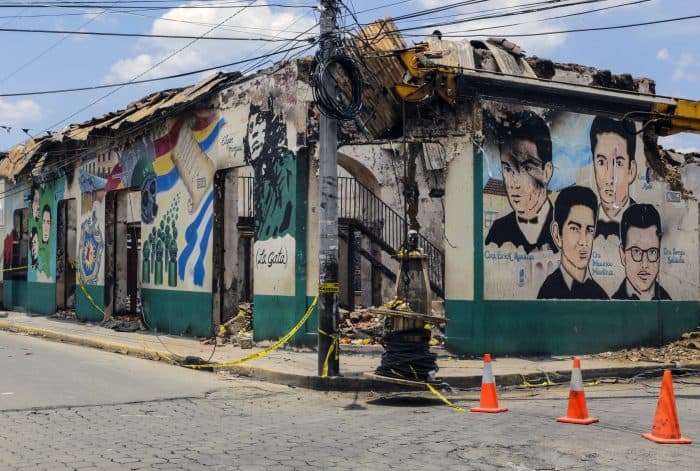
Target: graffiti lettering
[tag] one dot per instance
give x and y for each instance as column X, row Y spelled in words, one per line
column 275, row 257
column 674, row 255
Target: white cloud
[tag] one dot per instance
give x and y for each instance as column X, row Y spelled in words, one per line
column 684, row 142
column 663, row 55
column 683, row 68
column 542, row 46
column 262, row 22
column 19, row 112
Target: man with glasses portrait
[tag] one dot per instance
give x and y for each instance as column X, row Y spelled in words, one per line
column 526, row 166
column 640, row 254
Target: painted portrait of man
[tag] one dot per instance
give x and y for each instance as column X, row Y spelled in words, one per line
column 34, row 246
column 525, row 150
column 573, row 230
column 640, row 254
column 35, row 202
column 46, row 224
column 613, row 147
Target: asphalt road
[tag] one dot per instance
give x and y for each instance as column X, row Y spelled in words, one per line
column 75, row 408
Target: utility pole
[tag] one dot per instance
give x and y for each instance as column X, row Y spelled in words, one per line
column 328, row 212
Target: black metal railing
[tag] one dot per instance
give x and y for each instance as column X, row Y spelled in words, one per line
column 374, row 217
column 385, row 226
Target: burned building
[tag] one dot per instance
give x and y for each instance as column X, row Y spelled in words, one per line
column 192, row 200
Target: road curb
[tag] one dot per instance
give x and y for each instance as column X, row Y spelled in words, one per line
column 88, row 342
column 353, row 382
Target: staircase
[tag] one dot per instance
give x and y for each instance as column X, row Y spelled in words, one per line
column 360, row 208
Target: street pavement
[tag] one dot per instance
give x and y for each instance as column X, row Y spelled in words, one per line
column 68, row 407
column 299, row 367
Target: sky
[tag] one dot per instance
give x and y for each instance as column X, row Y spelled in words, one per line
column 669, row 53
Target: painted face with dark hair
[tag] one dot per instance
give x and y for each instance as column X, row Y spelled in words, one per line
column 575, row 240
column 641, row 257
column 257, row 126
column 45, row 226
column 525, row 176
column 614, row 172
column 35, row 249
column 35, row 204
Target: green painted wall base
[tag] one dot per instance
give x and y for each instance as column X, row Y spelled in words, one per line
column 84, row 309
column 178, row 312
column 14, row 295
column 564, row 327
column 276, row 315
column 41, row 298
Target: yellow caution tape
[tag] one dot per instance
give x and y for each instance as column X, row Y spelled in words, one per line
column 269, row 349
column 334, row 348
column 443, row 398
column 329, row 287
column 85, row 291
column 15, row 268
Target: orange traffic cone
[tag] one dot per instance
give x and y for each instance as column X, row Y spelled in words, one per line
column 666, row 428
column 488, row 401
column 577, row 412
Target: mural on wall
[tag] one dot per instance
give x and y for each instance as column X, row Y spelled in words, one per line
column 90, row 238
column 42, row 229
column 570, row 212
column 275, row 170
column 15, row 244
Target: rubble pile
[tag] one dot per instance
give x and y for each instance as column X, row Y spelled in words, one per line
column 124, row 324
column 683, row 350
column 360, row 327
column 236, row 331
column 64, row 314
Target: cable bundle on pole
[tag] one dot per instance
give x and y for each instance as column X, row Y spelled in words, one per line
column 324, row 84
column 407, row 356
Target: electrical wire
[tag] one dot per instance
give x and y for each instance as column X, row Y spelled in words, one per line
column 154, row 66
column 601, row 28
column 324, row 87
column 144, row 35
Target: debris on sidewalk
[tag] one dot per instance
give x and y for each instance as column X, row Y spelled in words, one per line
column 685, row 349
column 360, row 327
column 123, row 324
column 64, row 314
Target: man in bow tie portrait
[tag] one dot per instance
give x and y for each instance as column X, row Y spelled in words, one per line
column 526, row 165
column 613, row 146
column 573, row 230
column 640, row 254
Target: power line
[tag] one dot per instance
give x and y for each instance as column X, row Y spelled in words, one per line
column 170, row 56
column 45, row 51
column 568, row 15
column 143, row 35
column 580, row 30
column 112, row 6
column 155, row 79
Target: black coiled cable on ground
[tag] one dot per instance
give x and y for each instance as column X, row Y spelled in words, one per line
column 407, row 356
column 325, row 87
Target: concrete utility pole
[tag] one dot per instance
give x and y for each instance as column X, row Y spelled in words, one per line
column 328, row 212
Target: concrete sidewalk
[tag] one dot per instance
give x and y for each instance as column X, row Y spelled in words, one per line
column 298, row 367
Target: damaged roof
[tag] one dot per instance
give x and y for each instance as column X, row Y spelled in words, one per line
column 161, row 104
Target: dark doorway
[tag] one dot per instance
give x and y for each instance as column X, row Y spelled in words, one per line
column 123, row 242
column 65, row 254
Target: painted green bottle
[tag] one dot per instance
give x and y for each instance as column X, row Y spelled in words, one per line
column 159, row 263
column 172, row 263
column 146, row 270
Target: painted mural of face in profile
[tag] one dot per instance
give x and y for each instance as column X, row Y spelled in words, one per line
column 45, row 224
column 640, row 254
column 36, row 197
column 573, row 230
column 613, row 149
column 34, row 247
column 526, row 165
